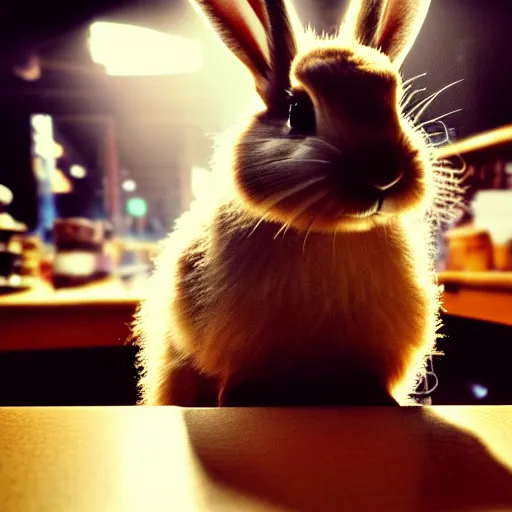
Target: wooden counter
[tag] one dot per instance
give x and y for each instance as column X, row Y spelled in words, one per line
column 99, row 315
column 303, row 460
column 483, row 296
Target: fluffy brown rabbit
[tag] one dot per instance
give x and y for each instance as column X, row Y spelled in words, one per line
column 308, row 280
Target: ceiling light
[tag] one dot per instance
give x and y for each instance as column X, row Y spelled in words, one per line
column 129, row 186
column 77, row 171
column 130, row 50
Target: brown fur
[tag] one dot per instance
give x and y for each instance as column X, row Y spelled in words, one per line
column 341, row 294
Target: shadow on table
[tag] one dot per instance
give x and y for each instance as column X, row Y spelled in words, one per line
column 396, row 459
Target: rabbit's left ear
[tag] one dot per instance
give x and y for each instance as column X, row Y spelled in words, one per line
column 261, row 33
column 390, row 25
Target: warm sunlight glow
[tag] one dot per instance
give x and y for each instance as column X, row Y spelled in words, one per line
column 488, row 423
column 201, row 181
column 128, row 50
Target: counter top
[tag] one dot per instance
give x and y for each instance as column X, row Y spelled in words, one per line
column 492, row 280
column 63, row 318
column 485, row 296
column 167, row 458
column 96, row 315
column 108, row 290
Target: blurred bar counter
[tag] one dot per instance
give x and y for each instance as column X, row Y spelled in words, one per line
column 483, row 296
column 100, row 314
column 96, row 315
column 485, row 292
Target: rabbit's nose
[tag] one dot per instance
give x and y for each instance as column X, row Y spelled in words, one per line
column 382, row 166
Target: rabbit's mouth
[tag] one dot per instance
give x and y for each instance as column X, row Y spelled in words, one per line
column 377, row 182
column 363, row 213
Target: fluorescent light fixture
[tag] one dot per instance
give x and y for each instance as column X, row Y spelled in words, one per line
column 129, row 50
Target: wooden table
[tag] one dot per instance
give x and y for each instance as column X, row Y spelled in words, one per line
column 310, row 460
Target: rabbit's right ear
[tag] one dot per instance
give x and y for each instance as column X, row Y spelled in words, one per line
column 362, row 21
column 390, row 25
column 260, row 34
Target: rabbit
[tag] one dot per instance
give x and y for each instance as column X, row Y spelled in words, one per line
column 307, row 278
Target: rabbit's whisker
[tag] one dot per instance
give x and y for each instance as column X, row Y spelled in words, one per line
column 257, row 225
column 284, row 227
column 451, row 199
column 310, row 227
column 308, row 231
column 412, row 79
column 303, row 207
column 311, row 142
column 451, row 190
column 295, row 160
column 442, row 216
column 437, row 144
column 439, row 117
column 445, row 162
column 288, row 225
column 422, row 106
column 406, row 90
column 444, row 132
column 407, row 100
column 277, row 198
column 447, row 179
column 451, row 170
column 274, row 200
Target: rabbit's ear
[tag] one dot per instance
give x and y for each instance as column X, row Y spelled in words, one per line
column 363, row 19
column 401, row 24
column 390, row 25
column 260, row 34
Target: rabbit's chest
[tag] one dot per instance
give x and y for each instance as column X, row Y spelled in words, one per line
column 350, row 298
column 321, row 284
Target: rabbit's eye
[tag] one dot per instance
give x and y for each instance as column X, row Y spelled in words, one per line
column 301, row 118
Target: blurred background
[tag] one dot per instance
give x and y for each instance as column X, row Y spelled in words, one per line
column 108, row 112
